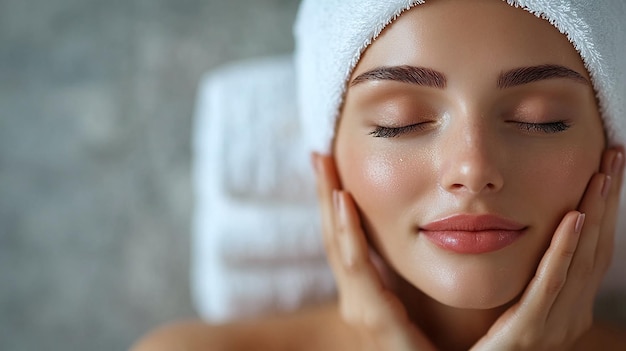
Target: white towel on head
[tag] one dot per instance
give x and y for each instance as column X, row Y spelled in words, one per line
column 331, row 35
column 597, row 31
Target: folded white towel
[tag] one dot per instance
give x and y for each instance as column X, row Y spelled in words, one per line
column 256, row 242
column 247, row 122
column 237, row 293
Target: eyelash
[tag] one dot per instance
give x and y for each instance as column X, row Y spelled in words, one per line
column 547, row 128
column 392, row 132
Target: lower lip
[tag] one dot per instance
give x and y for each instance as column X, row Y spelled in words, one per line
column 473, row 242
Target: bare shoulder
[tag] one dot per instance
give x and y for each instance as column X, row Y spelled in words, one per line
column 603, row 336
column 316, row 328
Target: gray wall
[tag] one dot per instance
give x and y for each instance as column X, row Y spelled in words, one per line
column 96, row 103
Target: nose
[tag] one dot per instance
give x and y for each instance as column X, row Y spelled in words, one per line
column 471, row 162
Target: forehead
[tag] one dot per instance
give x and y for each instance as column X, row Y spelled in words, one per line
column 477, row 36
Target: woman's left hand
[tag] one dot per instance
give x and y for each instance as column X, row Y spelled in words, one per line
column 556, row 308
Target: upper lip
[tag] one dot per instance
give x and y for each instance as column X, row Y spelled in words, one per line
column 473, row 223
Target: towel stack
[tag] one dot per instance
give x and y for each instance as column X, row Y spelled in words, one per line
column 256, row 242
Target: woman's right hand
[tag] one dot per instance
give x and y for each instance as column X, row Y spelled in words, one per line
column 364, row 302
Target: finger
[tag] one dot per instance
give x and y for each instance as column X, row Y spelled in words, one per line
column 569, row 263
column 596, row 248
column 613, row 165
column 582, row 268
column 552, row 272
column 326, row 181
column 345, row 242
column 364, row 299
column 593, row 205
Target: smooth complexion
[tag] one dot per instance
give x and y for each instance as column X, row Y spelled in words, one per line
column 466, row 136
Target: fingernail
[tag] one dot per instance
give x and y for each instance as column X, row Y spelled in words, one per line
column 617, row 164
column 336, row 201
column 579, row 223
column 606, row 186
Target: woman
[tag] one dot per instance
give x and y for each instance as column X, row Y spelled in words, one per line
column 469, row 192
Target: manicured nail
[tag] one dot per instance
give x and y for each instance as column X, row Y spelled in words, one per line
column 606, row 186
column 618, row 163
column 579, row 223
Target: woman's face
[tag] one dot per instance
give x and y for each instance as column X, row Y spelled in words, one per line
column 468, row 130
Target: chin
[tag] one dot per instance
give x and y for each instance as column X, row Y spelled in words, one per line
column 475, row 300
column 472, row 286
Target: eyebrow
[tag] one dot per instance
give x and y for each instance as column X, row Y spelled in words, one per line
column 525, row 75
column 406, row 74
column 430, row 78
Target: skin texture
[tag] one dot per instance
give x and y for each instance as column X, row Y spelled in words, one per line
column 471, row 157
column 475, row 147
column 463, row 161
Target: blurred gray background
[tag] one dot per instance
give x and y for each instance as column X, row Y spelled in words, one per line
column 96, row 104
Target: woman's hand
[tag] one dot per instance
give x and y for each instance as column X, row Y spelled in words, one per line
column 556, row 308
column 364, row 302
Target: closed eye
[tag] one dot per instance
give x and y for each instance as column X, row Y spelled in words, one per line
column 545, row 128
column 392, row 132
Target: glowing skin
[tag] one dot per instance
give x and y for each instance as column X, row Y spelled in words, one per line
column 471, row 155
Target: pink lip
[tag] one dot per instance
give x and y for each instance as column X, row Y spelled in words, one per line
column 473, row 234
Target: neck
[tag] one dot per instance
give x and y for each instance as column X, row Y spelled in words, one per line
column 449, row 328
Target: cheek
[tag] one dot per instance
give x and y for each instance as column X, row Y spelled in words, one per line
column 566, row 168
column 575, row 171
column 558, row 180
column 386, row 185
column 377, row 176
column 369, row 177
